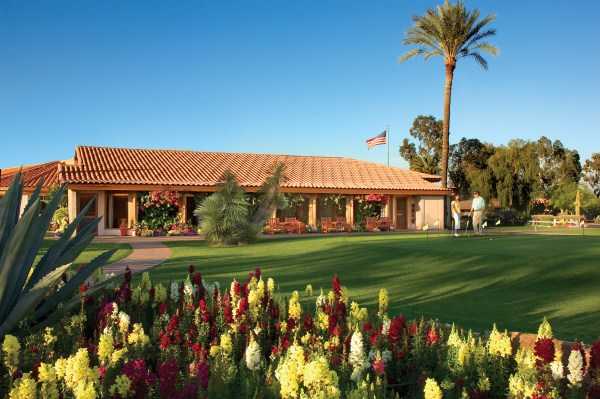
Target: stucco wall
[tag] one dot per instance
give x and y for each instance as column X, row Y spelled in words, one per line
column 430, row 211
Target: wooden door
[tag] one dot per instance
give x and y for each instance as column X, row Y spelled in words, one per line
column 401, row 221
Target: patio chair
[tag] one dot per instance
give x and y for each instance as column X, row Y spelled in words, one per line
column 384, row 224
column 342, row 224
column 327, row 225
column 274, row 226
column 293, row 225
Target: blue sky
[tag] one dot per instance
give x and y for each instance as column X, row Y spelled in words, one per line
column 300, row 77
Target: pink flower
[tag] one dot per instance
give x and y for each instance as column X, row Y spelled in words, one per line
column 432, row 336
column 379, row 366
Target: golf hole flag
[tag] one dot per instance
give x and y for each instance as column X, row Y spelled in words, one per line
column 381, row 138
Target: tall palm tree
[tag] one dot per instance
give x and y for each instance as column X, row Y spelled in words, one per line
column 452, row 32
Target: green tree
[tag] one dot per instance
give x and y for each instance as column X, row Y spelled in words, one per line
column 558, row 165
column 563, row 199
column 450, row 31
column 468, row 167
column 516, row 170
column 425, row 158
column 591, row 174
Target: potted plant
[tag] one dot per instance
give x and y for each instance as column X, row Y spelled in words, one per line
column 123, row 227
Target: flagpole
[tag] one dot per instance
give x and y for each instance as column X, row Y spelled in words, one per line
column 387, row 136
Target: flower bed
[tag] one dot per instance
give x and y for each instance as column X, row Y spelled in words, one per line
column 192, row 340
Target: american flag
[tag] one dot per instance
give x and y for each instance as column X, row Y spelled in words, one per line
column 381, row 138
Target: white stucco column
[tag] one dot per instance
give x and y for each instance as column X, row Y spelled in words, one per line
column 24, row 201
column 132, row 209
column 72, row 200
column 312, row 211
column 101, row 207
column 350, row 210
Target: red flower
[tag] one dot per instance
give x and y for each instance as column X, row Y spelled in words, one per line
column 141, row 378
column 379, row 366
column 203, row 372
column 412, row 329
column 373, row 338
column 432, row 336
column 367, row 327
column 336, row 285
column 162, row 308
column 544, row 351
column 167, row 375
column 83, row 288
column 595, row 356
column 397, row 326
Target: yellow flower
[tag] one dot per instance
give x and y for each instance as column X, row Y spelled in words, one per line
column 545, row 330
column 432, row 389
column 105, row 347
column 270, row 285
column 122, row 386
column 254, row 303
column 47, row 376
column 160, row 293
column 525, row 359
column 214, row 350
column 383, row 302
column 49, row 337
column 226, row 343
column 137, row 337
column 11, row 348
column 60, row 367
column 24, row 388
column 146, row 284
column 289, row 372
column 260, row 289
column 85, row 390
column 322, row 320
column 320, row 380
column 499, row 343
column 484, row 384
column 294, row 308
column 454, row 339
column 118, row 355
column 78, row 371
column 309, row 289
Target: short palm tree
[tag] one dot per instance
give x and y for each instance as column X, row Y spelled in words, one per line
column 452, row 32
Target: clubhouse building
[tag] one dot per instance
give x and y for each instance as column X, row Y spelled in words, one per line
column 115, row 178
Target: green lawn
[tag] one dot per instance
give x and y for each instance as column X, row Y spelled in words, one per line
column 512, row 280
column 93, row 250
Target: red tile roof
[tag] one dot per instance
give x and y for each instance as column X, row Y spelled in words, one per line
column 103, row 165
column 32, row 174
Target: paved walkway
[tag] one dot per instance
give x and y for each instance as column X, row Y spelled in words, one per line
column 145, row 255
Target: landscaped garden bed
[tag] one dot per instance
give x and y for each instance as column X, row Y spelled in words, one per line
column 191, row 339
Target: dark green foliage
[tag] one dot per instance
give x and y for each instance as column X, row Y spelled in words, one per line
column 28, row 292
column 425, row 158
column 223, row 216
column 228, row 216
column 559, row 165
column 468, row 167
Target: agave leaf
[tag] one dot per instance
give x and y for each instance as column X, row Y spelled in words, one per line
column 34, row 195
column 60, row 253
column 30, row 299
column 36, row 237
column 9, row 210
column 65, row 292
column 12, row 259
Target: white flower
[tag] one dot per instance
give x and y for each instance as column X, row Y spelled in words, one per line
column 575, row 367
column 557, row 370
column 252, row 356
column 386, row 355
column 123, row 322
column 385, row 328
column 188, row 288
column 175, row 291
column 357, row 356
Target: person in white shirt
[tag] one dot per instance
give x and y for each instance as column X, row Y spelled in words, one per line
column 455, row 208
column 477, row 208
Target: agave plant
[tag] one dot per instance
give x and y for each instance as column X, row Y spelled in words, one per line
column 29, row 290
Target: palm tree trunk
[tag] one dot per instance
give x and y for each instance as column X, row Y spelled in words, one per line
column 446, row 126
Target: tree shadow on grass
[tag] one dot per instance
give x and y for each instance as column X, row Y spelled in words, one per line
column 514, row 281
